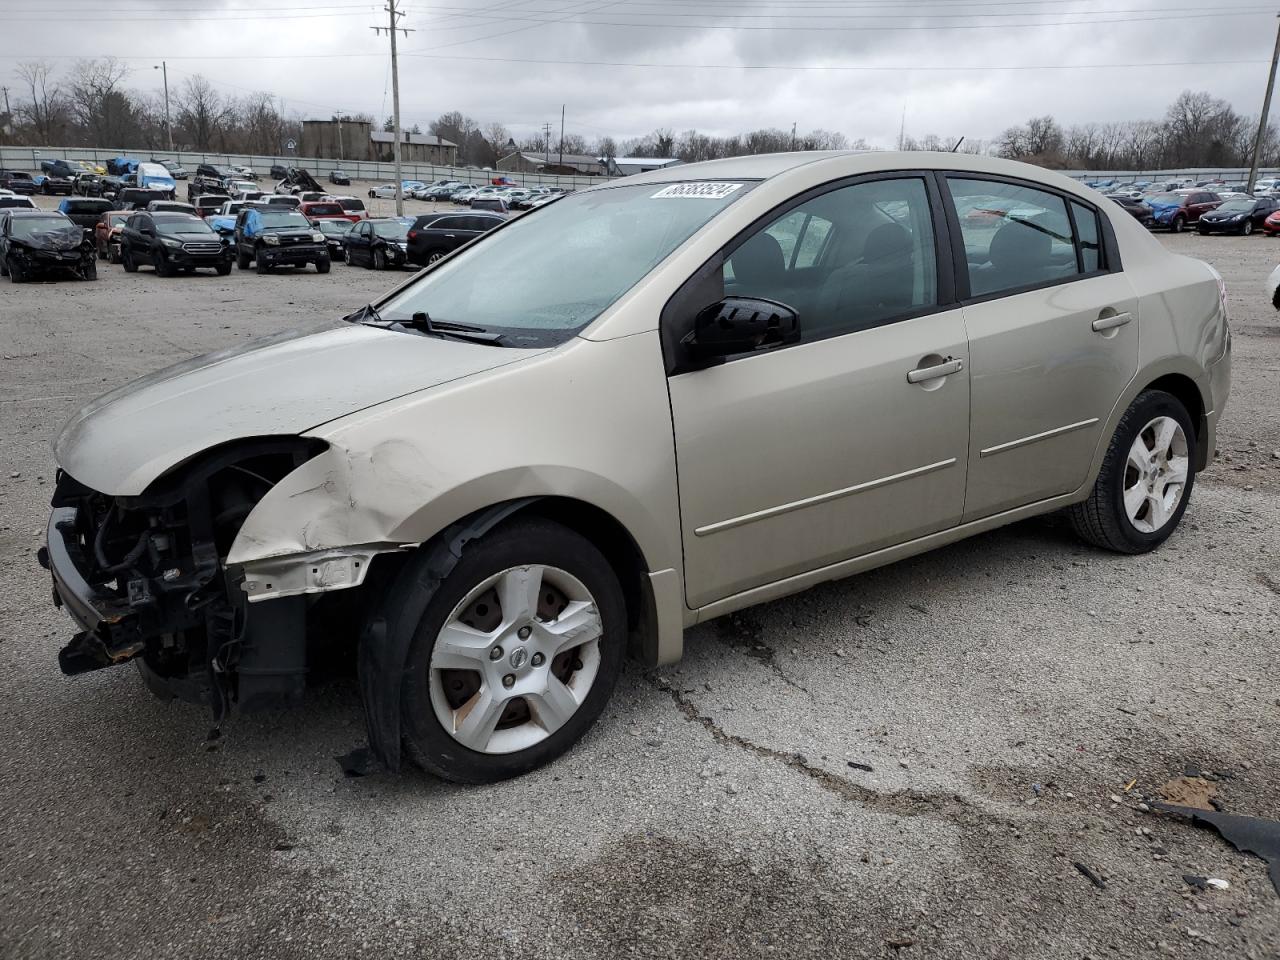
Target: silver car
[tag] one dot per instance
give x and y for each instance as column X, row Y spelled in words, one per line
column 648, row 404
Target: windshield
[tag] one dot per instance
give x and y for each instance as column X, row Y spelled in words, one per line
column 30, row 226
column 351, row 204
column 334, row 227
column 1236, row 206
column 391, row 229
column 613, row 237
column 1167, row 198
column 283, row 218
column 183, row 226
column 325, row 210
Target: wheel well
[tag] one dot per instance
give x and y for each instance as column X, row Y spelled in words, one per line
column 613, row 540
column 1188, row 394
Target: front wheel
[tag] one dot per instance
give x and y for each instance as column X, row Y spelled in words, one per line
column 512, row 656
column 242, row 259
column 1146, row 478
column 322, row 266
column 89, row 268
column 1178, row 224
column 223, row 269
column 379, row 260
column 1247, row 228
column 346, row 256
column 126, row 258
column 16, row 272
column 260, row 261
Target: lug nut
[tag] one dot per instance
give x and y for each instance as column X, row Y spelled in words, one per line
column 495, row 653
column 509, row 680
column 538, row 660
column 523, row 632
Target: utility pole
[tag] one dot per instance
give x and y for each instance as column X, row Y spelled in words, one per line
column 8, row 114
column 1262, row 120
column 562, row 134
column 393, row 15
column 546, row 142
column 793, row 136
column 341, row 153
column 168, row 127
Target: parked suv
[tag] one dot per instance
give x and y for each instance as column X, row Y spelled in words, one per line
column 1178, row 210
column 17, row 181
column 655, row 402
column 277, row 236
column 172, row 242
column 434, row 236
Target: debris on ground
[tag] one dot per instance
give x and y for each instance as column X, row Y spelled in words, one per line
column 356, row 763
column 1247, row 834
column 854, row 764
column 1204, row 883
column 1188, row 791
column 1089, row 874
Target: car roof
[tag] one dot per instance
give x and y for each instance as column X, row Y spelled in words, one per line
column 171, row 215
column 19, row 212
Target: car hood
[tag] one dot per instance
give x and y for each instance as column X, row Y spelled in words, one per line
column 286, row 384
column 63, row 238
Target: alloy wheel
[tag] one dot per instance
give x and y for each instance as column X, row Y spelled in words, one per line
column 1155, row 476
column 515, row 659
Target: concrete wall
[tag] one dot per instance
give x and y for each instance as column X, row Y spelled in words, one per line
column 28, row 158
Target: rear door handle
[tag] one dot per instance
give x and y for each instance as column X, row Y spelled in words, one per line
column 944, row 369
column 1110, row 323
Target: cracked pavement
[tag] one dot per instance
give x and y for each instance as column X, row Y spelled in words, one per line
column 907, row 763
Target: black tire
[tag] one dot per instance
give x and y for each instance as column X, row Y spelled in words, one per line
column 1178, row 224
column 435, row 256
column 223, row 268
column 420, row 604
column 15, row 272
column 126, row 258
column 260, row 261
column 322, row 266
column 1247, row 228
column 1202, row 231
column 1101, row 519
column 346, row 256
column 113, row 253
column 163, row 267
column 89, row 270
column 379, row 259
column 242, row 259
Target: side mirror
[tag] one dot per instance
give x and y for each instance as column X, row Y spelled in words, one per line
column 741, row 325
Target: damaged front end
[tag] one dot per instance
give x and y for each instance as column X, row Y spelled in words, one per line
column 145, row 578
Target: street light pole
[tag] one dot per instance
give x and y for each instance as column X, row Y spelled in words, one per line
column 168, row 127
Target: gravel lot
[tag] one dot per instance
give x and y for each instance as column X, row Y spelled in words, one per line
column 996, row 694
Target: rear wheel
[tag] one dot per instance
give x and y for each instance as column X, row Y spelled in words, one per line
column 513, row 655
column 435, row 256
column 1146, row 478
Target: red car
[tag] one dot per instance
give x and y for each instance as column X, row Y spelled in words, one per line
column 1271, row 225
column 325, row 210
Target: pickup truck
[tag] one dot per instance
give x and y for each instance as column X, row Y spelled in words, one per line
column 275, row 236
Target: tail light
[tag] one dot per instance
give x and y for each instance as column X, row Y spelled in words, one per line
column 413, row 234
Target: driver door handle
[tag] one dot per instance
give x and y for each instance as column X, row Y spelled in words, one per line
column 1110, row 323
column 945, row 369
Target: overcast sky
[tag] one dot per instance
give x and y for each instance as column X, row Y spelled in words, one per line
column 321, row 56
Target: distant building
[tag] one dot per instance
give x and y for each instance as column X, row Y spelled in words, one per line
column 414, row 148
column 359, row 141
column 625, row 166
column 569, row 164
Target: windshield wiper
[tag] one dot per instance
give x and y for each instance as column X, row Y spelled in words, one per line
column 463, row 331
column 369, row 315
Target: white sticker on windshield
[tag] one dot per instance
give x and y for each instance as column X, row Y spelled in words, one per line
column 697, row 191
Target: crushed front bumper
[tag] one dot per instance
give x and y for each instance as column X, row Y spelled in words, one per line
column 110, row 631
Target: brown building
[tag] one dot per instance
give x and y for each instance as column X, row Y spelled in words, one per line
column 568, row 164
column 357, row 140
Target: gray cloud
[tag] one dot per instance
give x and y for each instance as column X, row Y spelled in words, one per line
column 628, row 101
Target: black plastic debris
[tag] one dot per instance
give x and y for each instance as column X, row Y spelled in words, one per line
column 1247, row 834
column 1191, row 880
column 1089, row 875
column 860, row 766
column 356, row 763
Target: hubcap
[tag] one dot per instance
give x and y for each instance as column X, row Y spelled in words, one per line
column 515, row 659
column 1155, row 475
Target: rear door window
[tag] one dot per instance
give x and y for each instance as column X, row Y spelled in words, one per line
column 1014, row 235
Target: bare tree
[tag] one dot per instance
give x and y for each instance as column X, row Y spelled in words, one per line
column 45, row 111
column 202, row 112
column 98, row 102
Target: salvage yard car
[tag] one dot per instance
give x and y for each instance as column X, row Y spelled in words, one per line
column 38, row 244
column 271, row 236
column 434, row 236
column 380, row 243
column 106, row 234
column 172, row 242
column 1241, row 215
column 651, row 403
